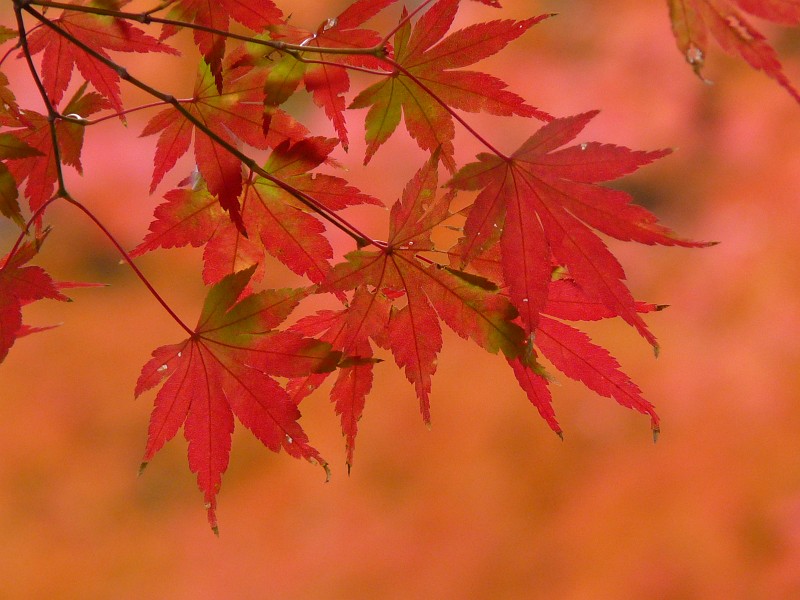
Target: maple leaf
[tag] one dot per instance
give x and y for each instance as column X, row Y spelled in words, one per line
column 694, row 20
column 572, row 353
column 234, row 114
column 21, row 285
column 256, row 16
column 101, row 34
column 431, row 292
column 275, row 220
column 427, row 57
column 226, row 368
column 349, row 331
column 537, row 204
column 39, row 169
column 325, row 80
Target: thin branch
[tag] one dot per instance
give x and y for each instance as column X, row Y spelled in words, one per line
column 52, row 114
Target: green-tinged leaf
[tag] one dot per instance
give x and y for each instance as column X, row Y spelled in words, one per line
column 225, row 369
column 9, row 207
column 425, row 80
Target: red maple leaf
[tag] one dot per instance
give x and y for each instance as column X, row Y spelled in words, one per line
column 101, row 34
column 571, row 352
column 430, row 291
column 235, row 115
column 256, row 16
column 348, row 330
column 40, row 169
column 21, row 285
column 226, row 368
column 694, row 20
column 537, row 204
column 275, row 220
column 426, row 57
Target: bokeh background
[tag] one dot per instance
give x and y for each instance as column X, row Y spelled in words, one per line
column 489, row 503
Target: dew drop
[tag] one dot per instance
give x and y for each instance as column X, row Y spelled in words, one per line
column 524, row 299
column 330, row 23
column 495, row 225
column 180, row 354
column 410, row 243
column 584, row 146
column 207, row 505
column 162, row 368
column 694, row 56
column 289, row 439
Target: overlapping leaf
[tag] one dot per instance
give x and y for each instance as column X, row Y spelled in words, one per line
column 226, row 368
column 235, row 116
column 572, row 353
column 540, row 203
column 256, row 16
column 694, row 21
column 21, row 284
column 324, row 79
column 349, row 331
column 413, row 333
column 101, row 34
column 39, row 169
column 430, row 65
column 275, row 220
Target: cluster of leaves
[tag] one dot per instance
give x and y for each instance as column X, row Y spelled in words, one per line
column 527, row 260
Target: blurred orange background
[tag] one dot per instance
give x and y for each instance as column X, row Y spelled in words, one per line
column 489, row 503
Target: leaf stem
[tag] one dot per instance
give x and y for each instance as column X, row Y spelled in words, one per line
column 130, row 262
column 87, row 122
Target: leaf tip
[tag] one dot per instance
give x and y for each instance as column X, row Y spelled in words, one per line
column 656, row 433
column 560, row 434
column 660, row 307
column 318, row 461
column 142, row 467
column 656, row 350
